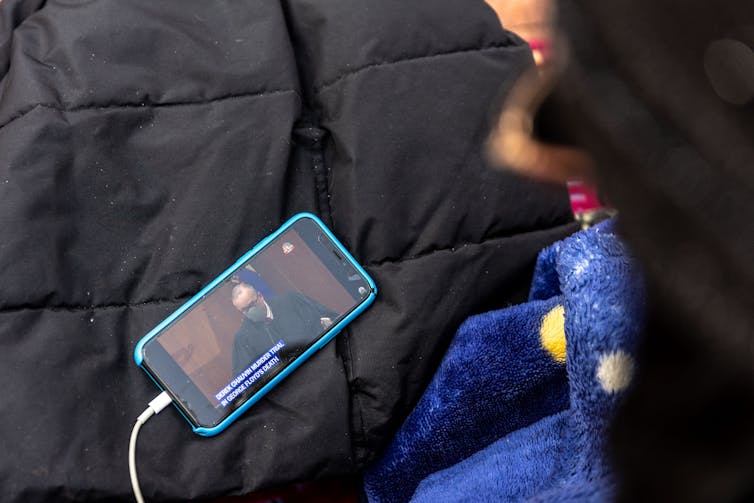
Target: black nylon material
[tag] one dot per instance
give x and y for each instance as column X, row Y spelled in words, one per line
column 146, row 145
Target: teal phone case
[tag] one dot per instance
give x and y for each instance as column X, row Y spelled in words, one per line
column 211, row 431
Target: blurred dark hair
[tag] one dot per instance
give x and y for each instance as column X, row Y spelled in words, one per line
column 660, row 93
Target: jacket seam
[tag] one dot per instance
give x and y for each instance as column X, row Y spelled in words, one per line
column 343, row 343
column 409, row 59
column 143, row 104
column 99, row 307
column 321, row 180
column 355, row 393
column 456, row 246
column 372, row 264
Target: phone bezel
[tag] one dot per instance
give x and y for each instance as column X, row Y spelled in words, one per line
column 248, row 401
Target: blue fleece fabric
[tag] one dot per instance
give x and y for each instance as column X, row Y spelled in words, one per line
column 503, row 419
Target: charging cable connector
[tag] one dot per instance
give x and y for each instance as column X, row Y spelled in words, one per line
column 155, row 407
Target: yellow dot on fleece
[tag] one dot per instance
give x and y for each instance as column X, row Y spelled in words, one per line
column 552, row 333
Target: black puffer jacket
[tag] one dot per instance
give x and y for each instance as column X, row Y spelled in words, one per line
column 146, row 145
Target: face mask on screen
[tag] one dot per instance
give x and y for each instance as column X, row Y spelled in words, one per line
column 257, row 313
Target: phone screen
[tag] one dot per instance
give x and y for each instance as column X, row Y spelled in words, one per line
column 255, row 322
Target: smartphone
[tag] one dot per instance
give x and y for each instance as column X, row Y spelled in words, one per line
column 229, row 345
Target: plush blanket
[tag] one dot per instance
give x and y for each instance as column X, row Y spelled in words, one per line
column 519, row 407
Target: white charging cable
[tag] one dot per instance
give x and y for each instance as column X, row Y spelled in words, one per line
column 155, row 407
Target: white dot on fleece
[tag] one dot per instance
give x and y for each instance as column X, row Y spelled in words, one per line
column 615, row 370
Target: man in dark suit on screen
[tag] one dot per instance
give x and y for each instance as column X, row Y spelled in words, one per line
column 291, row 317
